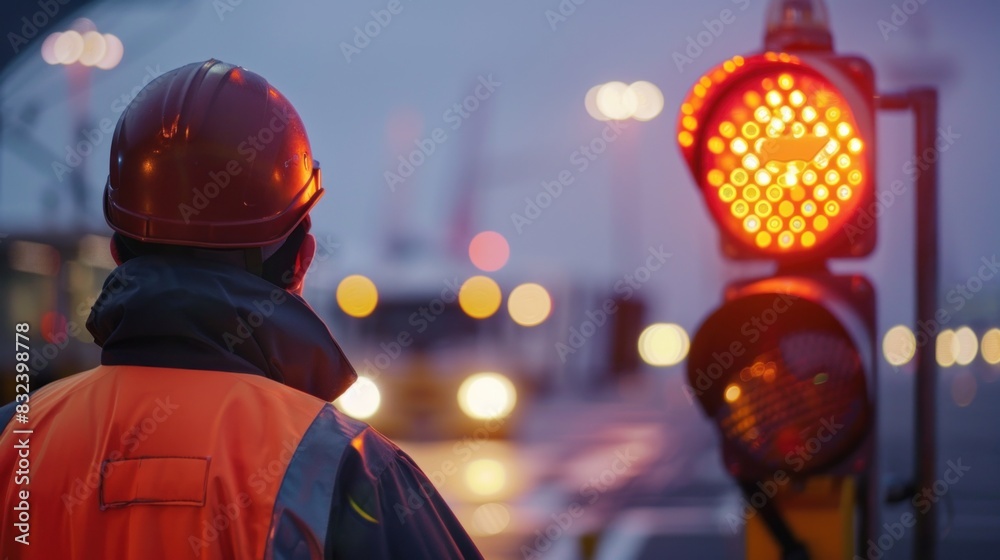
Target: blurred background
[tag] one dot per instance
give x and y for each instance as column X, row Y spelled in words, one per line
column 514, row 259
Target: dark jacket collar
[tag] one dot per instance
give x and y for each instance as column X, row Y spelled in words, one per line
column 175, row 312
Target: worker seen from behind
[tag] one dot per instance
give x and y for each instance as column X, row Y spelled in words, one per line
column 207, row 430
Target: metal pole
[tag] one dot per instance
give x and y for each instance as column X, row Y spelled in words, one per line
column 924, row 104
column 925, row 108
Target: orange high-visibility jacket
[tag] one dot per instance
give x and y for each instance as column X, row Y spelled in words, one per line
column 136, row 460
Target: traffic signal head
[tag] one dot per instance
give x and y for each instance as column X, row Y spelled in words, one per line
column 784, row 369
column 781, row 147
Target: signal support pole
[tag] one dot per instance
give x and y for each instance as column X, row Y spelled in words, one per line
column 924, row 104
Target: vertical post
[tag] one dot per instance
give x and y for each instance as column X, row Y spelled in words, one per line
column 924, row 103
column 870, row 495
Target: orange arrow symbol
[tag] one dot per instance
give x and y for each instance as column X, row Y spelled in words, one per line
column 788, row 148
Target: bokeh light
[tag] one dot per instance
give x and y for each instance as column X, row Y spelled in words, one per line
column 947, row 348
column 487, row 395
column 899, row 345
column 649, row 101
column 83, row 44
column 616, row 101
column 89, row 48
column 664, row 344
column 590, row 103
column 357, row 296
column 49, row 48
column 968, row 346
column 991, row 346
column 733, row 393
column 68, row 47
column 489, row 251
column 640, row 100
column 529, row 305
column 361, row 400
column 491, row 518
column 480, row 297
column 485, row 476
column 94, row 48
column 113, row 52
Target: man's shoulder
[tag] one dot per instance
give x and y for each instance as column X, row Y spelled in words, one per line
column 375, row 451
column 64, row 386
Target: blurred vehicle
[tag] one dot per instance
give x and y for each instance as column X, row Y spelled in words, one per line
column 445, row 351
column 438, row 360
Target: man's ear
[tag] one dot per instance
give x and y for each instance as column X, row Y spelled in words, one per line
column 304, row 258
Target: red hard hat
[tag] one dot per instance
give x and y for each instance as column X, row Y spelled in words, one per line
column 210, row 155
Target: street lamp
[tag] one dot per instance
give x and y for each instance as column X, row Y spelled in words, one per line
column 82, row 44
column 79, row 49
